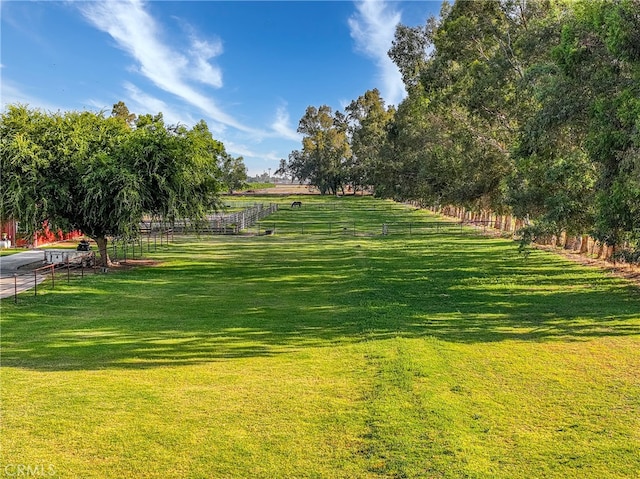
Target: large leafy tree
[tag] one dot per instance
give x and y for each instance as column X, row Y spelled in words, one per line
column 23, row 162
column 368, row 122
column 120, row 110
column 234, row 172
column 61, row 168
column 452, row 134
column 83, row 170
column 528, row 107
column 325, row 155
column 553, row 179
column 577, row 155
column 600, row 50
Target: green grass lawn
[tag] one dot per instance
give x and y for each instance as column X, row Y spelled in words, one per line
column 327, row 356
column 10, row 251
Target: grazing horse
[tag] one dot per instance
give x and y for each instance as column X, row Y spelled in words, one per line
column 296, row 203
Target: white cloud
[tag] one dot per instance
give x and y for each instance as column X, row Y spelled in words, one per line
column 255, row 161
column 140, row 102
column 201, row 52
column 344, row 103
column 373, row 28
column 282, row 127
column 137, row 33
column 98, row 105
column 244, row 151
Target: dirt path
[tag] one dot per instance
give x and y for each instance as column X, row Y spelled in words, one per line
column 282, row 190
column 622, row 270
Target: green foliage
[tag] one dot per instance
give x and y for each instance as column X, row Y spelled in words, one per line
column 325, row 155
column 368, row 123
column 450, row 141
column 599, row 65
column 529, row 108
column 234, row 172
column 408, row 51
column 82, row 170
column 120, row 110
column 524, row 108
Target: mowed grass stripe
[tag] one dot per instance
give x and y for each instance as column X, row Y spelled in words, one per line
column 328, row 356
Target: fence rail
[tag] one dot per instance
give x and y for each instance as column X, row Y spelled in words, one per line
column 252, row 219
column 28, row 280
column 361, row 228
column 132, row 248
column 220, row 223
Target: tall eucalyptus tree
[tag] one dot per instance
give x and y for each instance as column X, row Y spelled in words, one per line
column 324, row 158
column 368, row 123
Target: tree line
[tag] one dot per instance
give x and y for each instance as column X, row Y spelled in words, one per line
column 527, row 108
column 102, row 174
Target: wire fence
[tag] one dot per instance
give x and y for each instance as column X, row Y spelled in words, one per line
column 154, row 233
column 123, row 249
column 72, row 266
column 219, row 223
column 67, row 265
column 251, row 220
column 360, row 228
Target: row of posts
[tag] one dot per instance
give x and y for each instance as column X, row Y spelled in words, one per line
column 46, row 270
column 131, row 247
column 386, row 229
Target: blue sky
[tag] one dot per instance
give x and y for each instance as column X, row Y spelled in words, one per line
column 249, row 69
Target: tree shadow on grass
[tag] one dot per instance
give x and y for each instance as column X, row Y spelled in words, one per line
column 244, row 300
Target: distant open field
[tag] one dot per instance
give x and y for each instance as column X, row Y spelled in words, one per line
column 281, row 189
column 442, row 354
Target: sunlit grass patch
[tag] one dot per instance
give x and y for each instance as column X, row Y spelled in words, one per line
column 440, row 355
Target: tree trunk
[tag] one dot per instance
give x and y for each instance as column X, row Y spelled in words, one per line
column 561, row 242
column 104, row 253
column 507, row 224
column 584, row 245
column 597, row 247
column 607, row 253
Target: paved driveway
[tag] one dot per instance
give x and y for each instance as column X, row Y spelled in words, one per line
column 9, row 266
